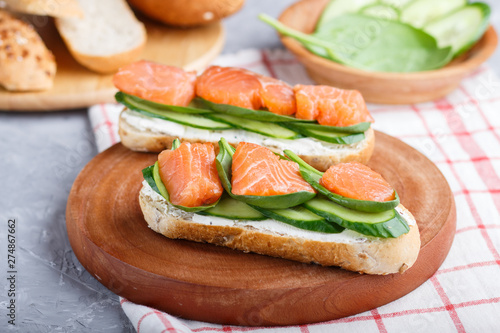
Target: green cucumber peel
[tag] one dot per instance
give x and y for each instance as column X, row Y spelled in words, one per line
column 270, row 129
column 147, row 173
column 327, row 136
column 357, row 128
column 190, row 120
column 388, row 224
column 183, row 118
column 312, row 176
column 294, row 216
column 135, row 102
column 224, row 162
column 371, row 44
column 260, row 115
column 447, row 36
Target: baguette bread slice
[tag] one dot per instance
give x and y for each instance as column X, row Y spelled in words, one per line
column 108, row 37
column 142, row 133
column 25, row 62
column 55, row 8
column 349, row 250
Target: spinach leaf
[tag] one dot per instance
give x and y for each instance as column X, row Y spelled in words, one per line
column 371, row 44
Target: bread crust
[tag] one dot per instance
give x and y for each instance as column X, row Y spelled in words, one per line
column 105, row 64
column 25, row 62
column 374, row 256
column 187, row 13
column 149, row 141
column 55, row 8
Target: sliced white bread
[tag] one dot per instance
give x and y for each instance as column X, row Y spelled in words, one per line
column 25, row 62
column 55, row 8
column 349, row 249
column 108, row 36
column 142, row 133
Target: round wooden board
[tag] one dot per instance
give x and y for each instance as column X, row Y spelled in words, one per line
column 76, row 87
column 205, row 282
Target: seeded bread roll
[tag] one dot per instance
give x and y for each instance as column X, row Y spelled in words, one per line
column 108, row 36
column 349, row 250
column 25, row 62
column 55, row 8
column 154, row 135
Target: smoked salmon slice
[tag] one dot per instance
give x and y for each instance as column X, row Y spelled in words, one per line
column 243, row 88
column 357, row 181
column 189, row 174
column 331, row 106
column 156, row 82
column 256, row 170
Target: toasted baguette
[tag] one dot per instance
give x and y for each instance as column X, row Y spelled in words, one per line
column 108, row 36
column 55, row 8
column 148, row 134
column 25, row 62
column 349, row 250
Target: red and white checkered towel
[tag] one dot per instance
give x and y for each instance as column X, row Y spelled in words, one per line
column 461, row 134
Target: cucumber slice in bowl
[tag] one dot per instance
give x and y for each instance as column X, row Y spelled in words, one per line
column 336, row 8
column 462, row 28
column 312, row 176
column 382, row 11
column 224, row 161
column 384, row 224
column 420, row 12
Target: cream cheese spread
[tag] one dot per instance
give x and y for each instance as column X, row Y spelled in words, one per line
column 302, row 146
column 270, row 225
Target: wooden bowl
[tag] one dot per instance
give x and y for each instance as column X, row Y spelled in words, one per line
column 381, row 87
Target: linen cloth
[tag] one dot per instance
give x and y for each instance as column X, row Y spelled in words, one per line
column 461, row 135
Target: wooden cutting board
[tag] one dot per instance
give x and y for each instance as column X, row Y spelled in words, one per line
column 204, row 282
column 76, row 87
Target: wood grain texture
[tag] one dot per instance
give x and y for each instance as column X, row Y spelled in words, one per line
column 204, row 282
column 380, row 87
column 76, row 86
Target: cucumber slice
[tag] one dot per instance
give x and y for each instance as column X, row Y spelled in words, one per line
column 420, row 12
column 224, row 161
column 272, row 130
column 381, row 10
column 327, row 136
column 191, row 120
column 340, row 7
column 233, row 209
column 462, row 28
column 385, row 224
column 247, row 113
column 312, row 176
column 302, row 218
column 134, row 101
column 147, row 173
column 396, row 3
column 358, row 128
